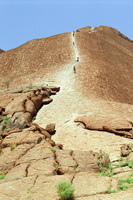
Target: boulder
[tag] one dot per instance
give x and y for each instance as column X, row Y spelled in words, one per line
column 22, row 119
column 106, row 122
column 50, row 128
column 37, row 100
column 45, row 133
column 47, row 100
column 16, row 105
column 125, row 150
column 57, row 89
column 0, row 110
column 45, row 94
column 30, row 107
column 96, row 121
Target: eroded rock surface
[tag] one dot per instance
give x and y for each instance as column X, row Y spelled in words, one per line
column 107, row 122
column 37, row 155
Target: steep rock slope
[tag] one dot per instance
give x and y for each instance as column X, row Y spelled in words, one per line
column 91, row 111
column 92, row 66
column 98, row 81
column 1, row 51
column 35, row 60
column 106, row 68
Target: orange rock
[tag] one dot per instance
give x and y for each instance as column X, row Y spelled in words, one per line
column 30, row 107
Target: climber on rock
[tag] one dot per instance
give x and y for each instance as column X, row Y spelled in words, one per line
column 74, row 69
column 77, row 59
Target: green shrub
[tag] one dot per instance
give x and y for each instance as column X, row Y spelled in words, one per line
column 56, row 165
column 126, row 162
column 29, row 189
column 65, row 191
column 124, row 187
column 120, row 159
column 53, row 149
column 75, row 167
column 37, row 133
column 106, row 173
column 111, row 191
column 6, row 123
column 130, row 164
column 12, row 146
column 128, row 180
column 121, row 164
column 2, row 176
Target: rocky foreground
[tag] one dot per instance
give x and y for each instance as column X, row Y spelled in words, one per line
column 80, row 129
column 32, row 164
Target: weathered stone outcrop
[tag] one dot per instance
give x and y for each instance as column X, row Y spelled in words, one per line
column 107, row 122
column 23, row 107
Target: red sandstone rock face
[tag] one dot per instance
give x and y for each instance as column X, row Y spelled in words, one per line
column 106, row 68
column 93, row 68
column 35, row 59
column 1, row 51
column 104, row 71
column 107, row 122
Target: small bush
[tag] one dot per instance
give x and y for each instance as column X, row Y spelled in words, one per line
column 120, row 159
column 127, row 180
column 7, row 84
column 103, row 160
column 65, row 191
column 2, row 176
column 130, row 164
column 56, row 165
column 75, row 167
column 6, row 123
column 53, row 149
column 12, row 146
column 106, row 172
column 37, row 133
column 124, row 187
column 111, row 191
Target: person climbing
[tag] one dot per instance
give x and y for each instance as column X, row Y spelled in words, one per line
column 77, row 59
column 73, row 33
column 74, row 69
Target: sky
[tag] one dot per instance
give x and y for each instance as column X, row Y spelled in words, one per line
column 24, row 20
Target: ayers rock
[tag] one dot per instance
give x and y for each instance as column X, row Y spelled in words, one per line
column 92, row 111
column 92, row 67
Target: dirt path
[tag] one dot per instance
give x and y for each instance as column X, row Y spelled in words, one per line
column 66, row 80
column 77, row 55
